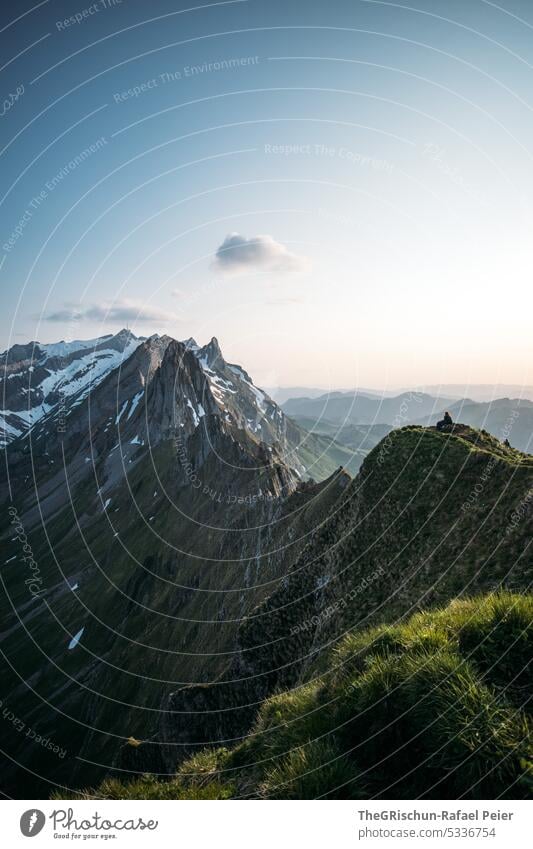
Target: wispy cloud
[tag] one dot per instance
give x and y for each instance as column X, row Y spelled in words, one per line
column 238, row 254
column 121, row 310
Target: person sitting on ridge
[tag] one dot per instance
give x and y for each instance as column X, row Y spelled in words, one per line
column 446, row 422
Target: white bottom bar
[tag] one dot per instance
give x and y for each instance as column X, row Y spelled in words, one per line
column 269, row 824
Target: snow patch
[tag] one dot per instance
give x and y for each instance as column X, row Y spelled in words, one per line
column 196, row 419
column 75, row 639
column 134, row 403
column 119, row 416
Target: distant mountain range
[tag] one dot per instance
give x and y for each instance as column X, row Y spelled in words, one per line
column 337, row 413
column 445, row 391
column 481, row 391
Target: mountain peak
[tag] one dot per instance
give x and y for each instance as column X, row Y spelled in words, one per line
column 125, row 333
column 211, row 353
column 191, row 344
column 214, row 346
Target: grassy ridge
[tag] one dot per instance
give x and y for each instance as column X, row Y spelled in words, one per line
column 429, row 518
column 437, row 707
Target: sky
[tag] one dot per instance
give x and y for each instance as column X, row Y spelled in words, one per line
column 340, row 192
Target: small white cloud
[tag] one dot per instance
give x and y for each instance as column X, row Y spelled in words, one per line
column 238, row 254
column 121, row 310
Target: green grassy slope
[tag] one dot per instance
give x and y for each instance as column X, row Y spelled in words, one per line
column 321, row 455
column 360, row 437
column 436, row 707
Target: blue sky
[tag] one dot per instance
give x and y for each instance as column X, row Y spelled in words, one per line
column 364, row 166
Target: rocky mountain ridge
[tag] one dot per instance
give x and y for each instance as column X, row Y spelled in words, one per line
column 167, row 568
